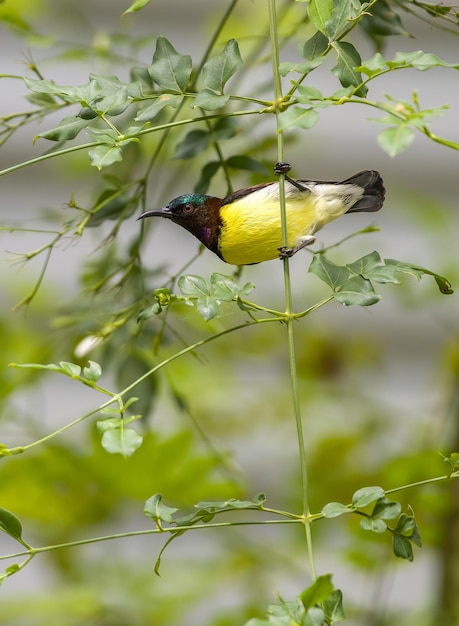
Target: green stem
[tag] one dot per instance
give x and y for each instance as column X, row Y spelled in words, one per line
column 420, row 483
column 145, row 131
column 138, row 533
column 278, row 98
column 116, row 397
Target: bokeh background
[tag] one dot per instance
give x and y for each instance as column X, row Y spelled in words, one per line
column 378, row 385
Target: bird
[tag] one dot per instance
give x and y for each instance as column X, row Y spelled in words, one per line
column 246, row 228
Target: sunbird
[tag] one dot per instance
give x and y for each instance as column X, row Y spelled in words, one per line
column 246, row 228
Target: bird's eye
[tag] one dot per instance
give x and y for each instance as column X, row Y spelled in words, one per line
column 188, row 208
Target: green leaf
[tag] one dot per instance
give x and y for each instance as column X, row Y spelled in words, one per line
column 192, row 285
column 307, row 94
column 208, row 307
column 157, row 511
column 105, row 155
column 195, row 142
column 414, row 270
column 41, row 100
column 296, row 116
column 286, row 614
column 136, row 6
column 405, row 525
column 164, row 100
column 124, row 441
column 301, row 68
column 317, row 592
column 402, row 547
column 210, row 101
column 72, row 369
column 335, row 509
column 93, row 372
column 419, row 60
column 314, row 47
column 111, row 422
column 348, row 289
column 351, row 284
column 224, row 287
column 373, row 66
column 396, row 139
column 130, row 401
column 333, row 607
column 333, row 275
column 383, row 21
column 225, row 128
column 141, row 77
column 415, row 537
column 10, row 524
column 371, row 267
column 144, row 315
column 87, row 114
column 387, row 509
column 170, row 69
column 218, row 70
column 105, row 135
column 374, row 524
column 314, row 617
column 68, row 94
column 232, row 503
column 208, row 172
column 346, row 68
column 195, row 286
column 259, row 499
column 114, row 103
column 319, row 12
column 365, row 496
column 243, row 162
column 342, row 14
column 68, row 128
column 357, row 291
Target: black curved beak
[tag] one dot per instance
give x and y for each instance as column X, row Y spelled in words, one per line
column 164, row 212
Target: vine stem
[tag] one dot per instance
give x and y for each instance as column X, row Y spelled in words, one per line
column 117, row 397
column 31, row 552
column 290, row 318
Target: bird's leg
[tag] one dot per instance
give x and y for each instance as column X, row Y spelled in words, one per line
column 283, row 168
column 285, row 252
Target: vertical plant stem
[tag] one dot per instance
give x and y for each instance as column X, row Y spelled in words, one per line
column 288, row 287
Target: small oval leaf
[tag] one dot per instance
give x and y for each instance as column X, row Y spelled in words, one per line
column 10, row 524
column 365, row 496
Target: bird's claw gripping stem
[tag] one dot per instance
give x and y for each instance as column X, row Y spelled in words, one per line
column 283, row 168
column 285, row 252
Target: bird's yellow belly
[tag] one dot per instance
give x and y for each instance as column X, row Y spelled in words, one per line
column 252, row 235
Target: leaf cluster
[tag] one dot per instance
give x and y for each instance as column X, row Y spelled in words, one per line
column 353, row 283
column 206, row 296
column 318, row 604
column 405, row 531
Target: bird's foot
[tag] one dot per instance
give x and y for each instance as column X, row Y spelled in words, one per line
column 286, row 253
column 282, row 168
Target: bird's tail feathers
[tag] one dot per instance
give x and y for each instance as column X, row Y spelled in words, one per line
column 374, row 192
